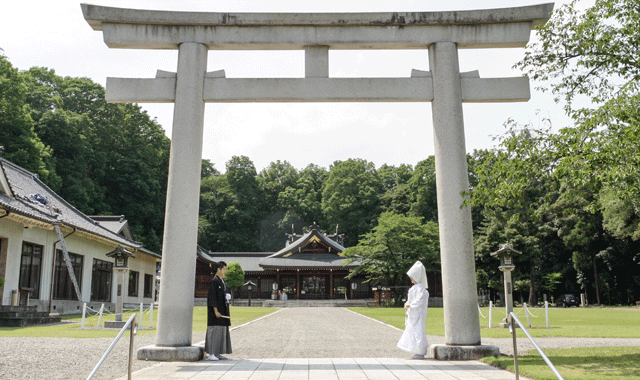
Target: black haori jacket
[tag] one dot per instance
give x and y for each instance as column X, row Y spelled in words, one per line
column 217, row 297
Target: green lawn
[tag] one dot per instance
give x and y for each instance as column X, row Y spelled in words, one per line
column 600, row 363
column 70, row 328
column 570, row 322
column 593, row 363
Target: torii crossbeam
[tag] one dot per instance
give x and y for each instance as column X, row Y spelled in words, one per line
column 194, row 33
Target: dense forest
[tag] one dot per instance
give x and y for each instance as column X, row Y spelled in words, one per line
column 103, row 158
column 567, row 198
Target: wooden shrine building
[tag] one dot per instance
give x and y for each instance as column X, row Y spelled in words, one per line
column 310, row 266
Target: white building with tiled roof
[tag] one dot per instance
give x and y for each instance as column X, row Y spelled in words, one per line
column 29, row 212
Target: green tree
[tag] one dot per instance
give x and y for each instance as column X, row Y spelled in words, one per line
column 231, row 207
column 422, row 187
column 17, row 136
column 208, row 169
column 395, row 184
column 513, row 184
column 304, row 199
column 110, row 158
column 392, row 247
column 274, row 179
column 350, row 197
column 235, row 277
column 589, row 60
column 592, row 55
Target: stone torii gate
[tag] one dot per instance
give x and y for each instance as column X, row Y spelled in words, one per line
column 194, row 33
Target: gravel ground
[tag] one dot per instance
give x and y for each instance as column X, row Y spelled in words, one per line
column 328, row 332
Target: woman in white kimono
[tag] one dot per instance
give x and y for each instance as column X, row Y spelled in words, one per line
column 414, row 337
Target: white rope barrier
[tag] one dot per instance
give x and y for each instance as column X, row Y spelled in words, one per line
column 480, row 311
column 524, row 309
column 88, row 312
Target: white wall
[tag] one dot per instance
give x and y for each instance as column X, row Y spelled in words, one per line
column 76, row 243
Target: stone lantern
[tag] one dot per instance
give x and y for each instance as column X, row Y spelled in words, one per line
column 249, row 285
column 121, row 257
column 506, row 254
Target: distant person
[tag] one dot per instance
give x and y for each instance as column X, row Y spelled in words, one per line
column 218, row 339
column 283, row 296
column 414, row 337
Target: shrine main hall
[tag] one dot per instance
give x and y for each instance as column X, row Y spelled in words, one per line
column 309, row 267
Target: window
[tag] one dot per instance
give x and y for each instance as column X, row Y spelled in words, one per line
column 133, row 283
column 101, row 280
column 30, row 268
column 148, row 285
column 63, row 288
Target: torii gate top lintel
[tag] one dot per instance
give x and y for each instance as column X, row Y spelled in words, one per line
column 152, row 29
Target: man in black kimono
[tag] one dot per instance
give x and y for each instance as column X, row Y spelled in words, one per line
column 218, row 339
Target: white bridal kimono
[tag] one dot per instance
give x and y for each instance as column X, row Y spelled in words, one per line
column 414, row 337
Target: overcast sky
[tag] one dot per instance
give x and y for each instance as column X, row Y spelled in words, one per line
column 54, row 34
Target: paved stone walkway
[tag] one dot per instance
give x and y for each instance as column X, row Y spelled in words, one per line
column 325, row 369
column 320, row 343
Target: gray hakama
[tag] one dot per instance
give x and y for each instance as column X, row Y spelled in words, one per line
column 217, row 341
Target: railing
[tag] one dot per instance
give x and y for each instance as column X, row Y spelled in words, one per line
column 133, row 324
column 513, row 320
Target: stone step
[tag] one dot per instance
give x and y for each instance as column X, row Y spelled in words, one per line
column 23, row 314
column 23, row 322
column 8, row 308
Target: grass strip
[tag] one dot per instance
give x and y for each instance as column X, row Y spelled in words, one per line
column 621, row 322
column 593, row 363
column 71, row 324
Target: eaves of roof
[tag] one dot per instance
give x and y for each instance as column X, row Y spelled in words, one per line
column 57, row 211
column 303, row 240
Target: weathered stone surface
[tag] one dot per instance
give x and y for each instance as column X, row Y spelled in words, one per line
column 175, row 312
column 454, row 222
column 171, row 354
column 147, row 29
column 446, row 352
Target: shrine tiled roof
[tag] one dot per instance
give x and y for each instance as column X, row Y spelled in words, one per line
column 314, row 236
column 307, row 261
column 249, row 261
column 25, row 197
column 315, row 249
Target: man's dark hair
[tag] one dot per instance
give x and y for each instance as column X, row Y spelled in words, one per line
column 221, row 264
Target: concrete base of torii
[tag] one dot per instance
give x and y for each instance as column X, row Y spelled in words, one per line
column 447, row 352
column 171, row 354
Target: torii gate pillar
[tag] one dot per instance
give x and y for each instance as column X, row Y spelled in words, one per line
column 183, row 197
column 443, row 33
column 456, row 233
